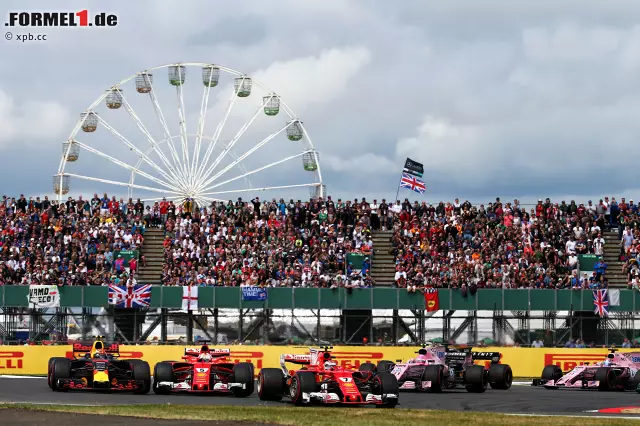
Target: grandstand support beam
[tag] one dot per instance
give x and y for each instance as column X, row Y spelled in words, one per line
column 190, row 326
column 149, row 330
column 164, row 313
column 214, row 313
column 204, row 329
column 461, row 328
column 367, row 321
column 255, row 326
column 304, row 329
column 405, row 328
column 446, row 324
column 420, row 319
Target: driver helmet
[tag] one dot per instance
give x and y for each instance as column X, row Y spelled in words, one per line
column 99, row 353
column 329, row 365
column 607, row 362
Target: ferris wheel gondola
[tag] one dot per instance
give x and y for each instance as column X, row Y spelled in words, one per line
column 177, row 156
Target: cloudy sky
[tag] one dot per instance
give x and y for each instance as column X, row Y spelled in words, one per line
column 504, row 98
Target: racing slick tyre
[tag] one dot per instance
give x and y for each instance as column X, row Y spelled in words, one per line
column 606, row 378
column 551, row 372
column 368, row 366
column 302, row 382
column 476, row 379
column 386, row 383
column 243, row 373
column 60, row 369
column 162, row 372
column 435, row 375
column 271, row 384
column 49, row 371
column 141, row 371
column 385, row 366
column 500, row 376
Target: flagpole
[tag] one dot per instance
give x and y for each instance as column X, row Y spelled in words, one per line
column 398, row 189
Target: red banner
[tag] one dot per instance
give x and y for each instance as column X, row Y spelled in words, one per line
column 431, row 299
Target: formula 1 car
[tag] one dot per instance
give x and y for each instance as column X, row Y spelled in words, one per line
column 443, row 367
column 616, row 372
column 98, row 367
column 204, row 370
column 321, row 380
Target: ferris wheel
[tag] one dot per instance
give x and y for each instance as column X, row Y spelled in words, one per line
column 156, row 136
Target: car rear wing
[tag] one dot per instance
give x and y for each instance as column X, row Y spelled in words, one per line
column 82, row 349
column 494, row 357
column 215, row 352
column 295, row 359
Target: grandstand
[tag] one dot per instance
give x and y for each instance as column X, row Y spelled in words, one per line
column 320, row 243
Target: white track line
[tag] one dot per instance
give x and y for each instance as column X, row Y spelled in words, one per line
column 11, row 376
column 569, row 415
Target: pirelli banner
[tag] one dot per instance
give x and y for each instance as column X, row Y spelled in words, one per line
column 525, row 362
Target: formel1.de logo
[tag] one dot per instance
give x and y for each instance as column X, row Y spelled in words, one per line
column 81, row 18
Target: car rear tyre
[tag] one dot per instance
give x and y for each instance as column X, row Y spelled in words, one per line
column 383, row 384
column 385, row 366
column 606, row 378
column 50, row 371
column 162, row 372
column 475, row 379
column 551, row 372
column 243, row 373
column 271, row 384
column 435, row 375
column 500, row 376
column 303, row 382
column 141, row 371
column 368, row 366
column 60, row 369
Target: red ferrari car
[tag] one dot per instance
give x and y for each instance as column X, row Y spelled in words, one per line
column 204, row 370
column 321, row 380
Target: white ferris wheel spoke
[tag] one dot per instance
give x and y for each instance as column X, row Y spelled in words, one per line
column 201, row 122
column 174, row 154
column 183, row 128
column 188, row 171
column 126, row 184
column 266, row 188
column 127, row 166
column 254, row 171
column 134, row 148
column 207, row 155
column 154, row 144
column 242, row 157
column 209, row 170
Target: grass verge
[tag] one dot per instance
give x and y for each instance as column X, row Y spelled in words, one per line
column 311, row 416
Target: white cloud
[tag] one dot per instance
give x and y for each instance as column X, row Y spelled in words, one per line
column 319, row 79
column 35, row 119
column 360, row 164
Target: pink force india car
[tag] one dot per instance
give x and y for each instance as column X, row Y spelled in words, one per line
column 616, row 372
column 444, row 367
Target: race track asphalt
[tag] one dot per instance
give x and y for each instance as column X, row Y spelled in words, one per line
column 517, row 400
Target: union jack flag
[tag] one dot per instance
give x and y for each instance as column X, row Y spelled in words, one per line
column 137, row 296
column 412, row 183
column 601, row 302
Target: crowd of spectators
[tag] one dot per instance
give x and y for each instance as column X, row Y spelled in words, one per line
column 306, row 243
column 68, row 243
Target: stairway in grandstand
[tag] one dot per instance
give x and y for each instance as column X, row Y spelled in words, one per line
column 383, row 265
column 612, row 259
column 153, row 251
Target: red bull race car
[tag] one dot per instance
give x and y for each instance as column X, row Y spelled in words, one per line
column 98, row 367
column 618, row 371
column 204, row 370
column 443, row 367
column 321, row 380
